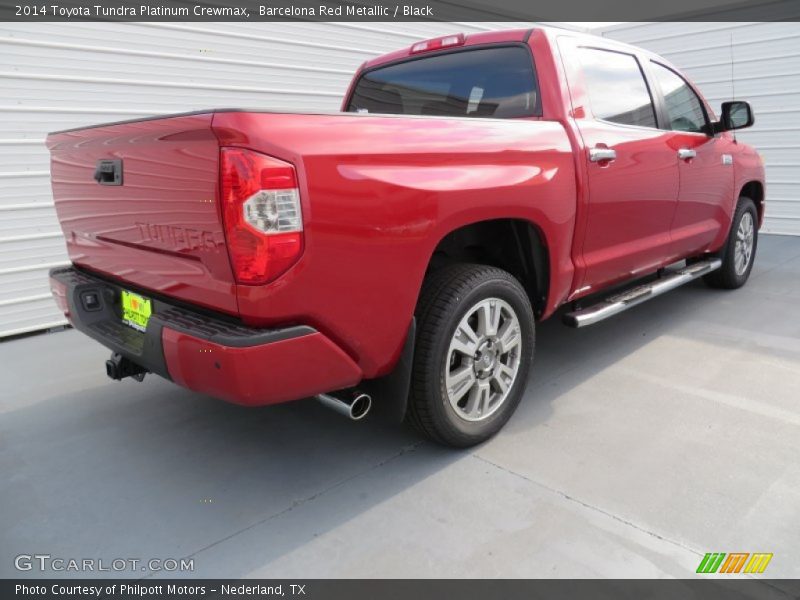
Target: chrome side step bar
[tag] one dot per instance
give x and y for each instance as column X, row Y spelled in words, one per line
column 629, row 298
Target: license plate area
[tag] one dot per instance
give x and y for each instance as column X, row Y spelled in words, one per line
column 136, row 310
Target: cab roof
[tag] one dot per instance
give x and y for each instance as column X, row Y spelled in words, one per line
column 511, row 36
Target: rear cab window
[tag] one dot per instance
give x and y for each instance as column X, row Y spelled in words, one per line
column 494, row 82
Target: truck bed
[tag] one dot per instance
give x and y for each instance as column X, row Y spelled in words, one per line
column 378, row 192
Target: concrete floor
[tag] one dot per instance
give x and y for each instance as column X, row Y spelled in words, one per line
column 642, row 443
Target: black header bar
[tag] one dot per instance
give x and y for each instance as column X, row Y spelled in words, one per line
column 398, row 10
column 400, row 589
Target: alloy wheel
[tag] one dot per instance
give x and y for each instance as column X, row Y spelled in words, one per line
column 483, row 359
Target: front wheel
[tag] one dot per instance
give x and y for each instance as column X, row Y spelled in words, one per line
column 474, row 349
column 739, row 250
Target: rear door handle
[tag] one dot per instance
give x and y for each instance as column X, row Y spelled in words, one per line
column 600, row 154
column 686, row 153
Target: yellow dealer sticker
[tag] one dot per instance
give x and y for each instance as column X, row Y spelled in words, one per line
column 136, row 310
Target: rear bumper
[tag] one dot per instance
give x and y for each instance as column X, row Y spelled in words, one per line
column 207, row 354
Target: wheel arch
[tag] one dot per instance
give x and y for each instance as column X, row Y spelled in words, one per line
column 755, row 191
column 512, row 244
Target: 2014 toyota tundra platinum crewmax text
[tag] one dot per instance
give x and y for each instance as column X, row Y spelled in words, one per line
column 399, row 253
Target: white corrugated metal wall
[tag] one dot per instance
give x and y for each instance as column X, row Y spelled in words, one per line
column 766, row 68
column 56, row 76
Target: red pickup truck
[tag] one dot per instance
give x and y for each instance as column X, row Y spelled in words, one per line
column 404, row 248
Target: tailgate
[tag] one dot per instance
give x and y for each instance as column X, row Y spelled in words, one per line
column 138, row 202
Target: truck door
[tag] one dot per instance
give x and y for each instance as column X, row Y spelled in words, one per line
column 631, row 169
column 705, row 164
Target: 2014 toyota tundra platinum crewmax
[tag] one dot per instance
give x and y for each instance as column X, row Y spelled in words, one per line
column 398, row 254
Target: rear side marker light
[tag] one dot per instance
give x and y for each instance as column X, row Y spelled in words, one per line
column 59, row 291
column 438, row 43
column 261, row 213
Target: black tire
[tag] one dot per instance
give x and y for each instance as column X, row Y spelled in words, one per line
column 727, row 277
column 447, row 295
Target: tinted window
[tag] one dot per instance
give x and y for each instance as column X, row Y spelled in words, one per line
column 684, row 109
column 492, row 82
column 617, row 88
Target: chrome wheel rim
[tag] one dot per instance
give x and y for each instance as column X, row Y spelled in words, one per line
column 743, row 250
column 483, row 359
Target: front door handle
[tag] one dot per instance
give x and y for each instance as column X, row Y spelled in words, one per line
column 686, row 154
column 600, row 154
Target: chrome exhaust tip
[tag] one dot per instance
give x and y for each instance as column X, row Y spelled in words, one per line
column 355, row 408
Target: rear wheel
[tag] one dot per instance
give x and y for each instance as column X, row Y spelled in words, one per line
column 474, row 349
column 739, row 250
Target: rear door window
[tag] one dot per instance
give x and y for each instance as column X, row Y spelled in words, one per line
column 495, row 82
column 617, row 88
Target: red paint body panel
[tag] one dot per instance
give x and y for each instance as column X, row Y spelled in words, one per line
column 259, row 375
column 748, row 167
column 375, row 211
column 378, row 193
column 647, row 209
column 160, row 229
column 707, row 194
column 630, row 204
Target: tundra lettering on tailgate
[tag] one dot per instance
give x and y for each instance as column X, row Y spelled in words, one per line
column 180, row 238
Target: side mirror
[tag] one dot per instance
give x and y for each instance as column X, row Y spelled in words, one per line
column 735, row 115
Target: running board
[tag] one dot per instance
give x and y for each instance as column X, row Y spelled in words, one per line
column 630, row 298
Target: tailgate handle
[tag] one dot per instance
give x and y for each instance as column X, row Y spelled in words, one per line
column 108, row 171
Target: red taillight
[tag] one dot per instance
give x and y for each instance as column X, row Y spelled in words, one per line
column 262, row 215
column 438, row 43
column 59, row 291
